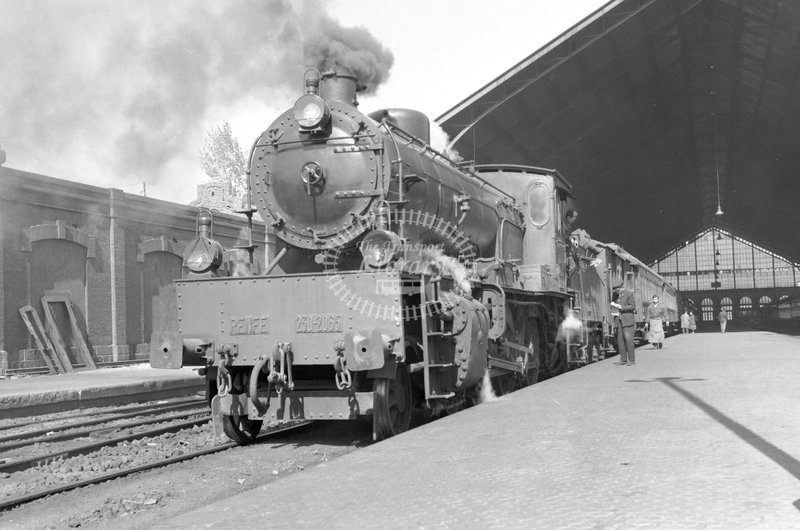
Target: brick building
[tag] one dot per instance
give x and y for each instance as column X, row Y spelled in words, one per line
column 217, row 196
column 114, row 255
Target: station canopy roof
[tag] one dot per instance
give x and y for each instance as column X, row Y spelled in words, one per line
column 657, row 112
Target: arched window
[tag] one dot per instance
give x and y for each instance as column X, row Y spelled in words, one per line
column 726, row 304
column 764, row 300
column 745, row 306
column 707, row 308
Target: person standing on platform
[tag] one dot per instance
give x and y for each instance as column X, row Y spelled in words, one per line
column 685, row 322
column 723, row 320
column 692, row 322
column 656, row 318
column 625, row 321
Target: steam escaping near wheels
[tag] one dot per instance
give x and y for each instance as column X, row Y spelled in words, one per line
column 570, row 329
column 487, row 392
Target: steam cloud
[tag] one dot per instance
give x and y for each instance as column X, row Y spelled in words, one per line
column 439, row 141
column 117, row 93
column 487, row 392
column 448, row 266
column 570, row 328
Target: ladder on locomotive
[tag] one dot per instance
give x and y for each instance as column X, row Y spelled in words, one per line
column 438, row 349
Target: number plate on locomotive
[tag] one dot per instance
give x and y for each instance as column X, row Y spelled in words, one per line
column 318, row 323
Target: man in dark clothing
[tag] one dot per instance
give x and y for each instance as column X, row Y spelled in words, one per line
column 625, row 322
column 569, row 222
column 569, row 226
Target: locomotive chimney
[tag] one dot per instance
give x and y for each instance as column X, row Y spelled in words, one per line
column 340, row 86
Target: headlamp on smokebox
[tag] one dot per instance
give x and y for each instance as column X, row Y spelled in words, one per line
column 311, row 113
column 380, row 247
column 203, row 256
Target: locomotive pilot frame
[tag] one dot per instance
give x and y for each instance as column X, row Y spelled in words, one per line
column 397, row 282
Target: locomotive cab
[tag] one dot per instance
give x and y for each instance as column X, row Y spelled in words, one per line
column 544, row 196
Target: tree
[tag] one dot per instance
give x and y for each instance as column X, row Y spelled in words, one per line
column 223, row 161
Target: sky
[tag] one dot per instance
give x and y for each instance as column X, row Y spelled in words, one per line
column 121, row 94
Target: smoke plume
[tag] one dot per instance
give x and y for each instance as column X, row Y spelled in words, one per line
column 352, row 48
column 120, row 93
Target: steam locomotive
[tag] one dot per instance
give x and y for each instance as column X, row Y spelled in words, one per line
column 397, row 282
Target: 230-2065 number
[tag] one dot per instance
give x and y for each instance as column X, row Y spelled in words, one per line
column 318, row 323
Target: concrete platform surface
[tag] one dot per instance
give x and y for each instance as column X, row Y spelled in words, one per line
column 43, row 394
column 702, row 434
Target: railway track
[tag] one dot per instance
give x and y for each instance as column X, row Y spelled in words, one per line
column 26, row 464
column 84, row 449
column 93, row 413
column 73, row 429
column 60, row 438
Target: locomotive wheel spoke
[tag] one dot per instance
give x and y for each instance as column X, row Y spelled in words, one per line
column 241, row 429
column 393, row 404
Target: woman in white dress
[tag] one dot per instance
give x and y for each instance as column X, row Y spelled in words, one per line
column 656, row 317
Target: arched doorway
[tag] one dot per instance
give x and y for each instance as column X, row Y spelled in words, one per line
column 59, row 266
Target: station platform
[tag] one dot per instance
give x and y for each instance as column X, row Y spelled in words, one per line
column 45, row 394
column 704, row 433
